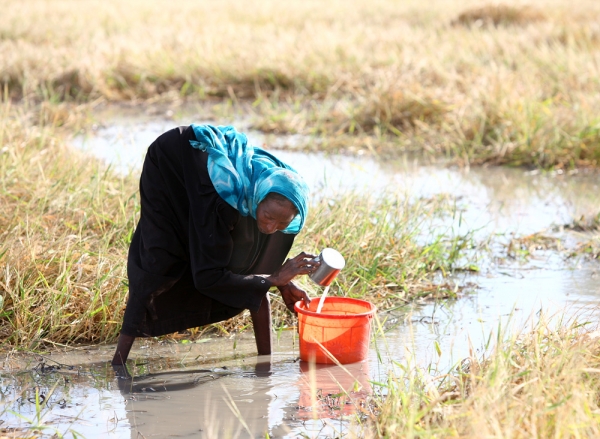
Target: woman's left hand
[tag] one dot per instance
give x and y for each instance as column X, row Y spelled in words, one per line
column 291, row 294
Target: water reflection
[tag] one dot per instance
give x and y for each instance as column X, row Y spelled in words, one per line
column 245, row 397
column 195, row 403
column 507, row 303
column 332, row 391
column 63, row 401
column 166, row 394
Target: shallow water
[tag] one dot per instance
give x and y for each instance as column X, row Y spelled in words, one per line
column 173, row 394
column 491, row 200
column 219, row 388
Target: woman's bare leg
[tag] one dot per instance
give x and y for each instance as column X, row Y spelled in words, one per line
column 123, row 347
column 261, row 320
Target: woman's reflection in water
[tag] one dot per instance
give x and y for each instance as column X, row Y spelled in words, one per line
column 269, row 398
column 197, row 402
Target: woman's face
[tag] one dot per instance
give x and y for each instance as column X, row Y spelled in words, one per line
column 273, row 215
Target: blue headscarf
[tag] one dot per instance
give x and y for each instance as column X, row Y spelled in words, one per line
column 243, row 175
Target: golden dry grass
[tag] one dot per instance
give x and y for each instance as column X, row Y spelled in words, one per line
column 397, row 75
column 542, row 383
column 65, row 224
column 499, row 15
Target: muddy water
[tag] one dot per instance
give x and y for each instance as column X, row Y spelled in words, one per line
column 219, row 388
column 203, row 390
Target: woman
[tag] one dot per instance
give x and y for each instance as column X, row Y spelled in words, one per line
column 218, row 218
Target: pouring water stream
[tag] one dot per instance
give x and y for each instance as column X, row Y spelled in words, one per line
column 322, row 299
column 331, row 262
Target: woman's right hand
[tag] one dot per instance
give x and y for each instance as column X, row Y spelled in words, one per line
column 303, row 263
column 291, row 294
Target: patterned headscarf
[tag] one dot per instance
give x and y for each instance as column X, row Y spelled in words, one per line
column 243, row 175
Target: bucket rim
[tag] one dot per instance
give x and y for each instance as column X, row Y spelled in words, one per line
column 299, row 308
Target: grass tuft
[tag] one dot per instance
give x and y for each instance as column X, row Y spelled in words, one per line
column 499, row 15
column 387, row 112
column 539, row 383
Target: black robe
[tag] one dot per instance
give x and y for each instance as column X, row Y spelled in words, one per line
column 192, row 257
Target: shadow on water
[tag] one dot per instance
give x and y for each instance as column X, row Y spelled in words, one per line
column 201, row 390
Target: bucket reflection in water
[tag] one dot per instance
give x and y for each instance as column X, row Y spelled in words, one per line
column 331, row 391
column 342, row 329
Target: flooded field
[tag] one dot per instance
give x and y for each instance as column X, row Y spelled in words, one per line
column 491, row 200
column 218, row 388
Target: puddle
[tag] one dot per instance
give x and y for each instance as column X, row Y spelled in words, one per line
column 215, row 390
column 248, row 396
column 506, row 302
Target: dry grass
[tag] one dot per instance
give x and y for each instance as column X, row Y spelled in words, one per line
column 585, row 223
column 542, row 383
column 522, row 91
column 588, row 228
column 65, row 225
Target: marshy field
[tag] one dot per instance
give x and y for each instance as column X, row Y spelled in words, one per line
column 476, row 125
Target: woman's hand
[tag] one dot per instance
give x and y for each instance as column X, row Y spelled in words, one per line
column 291, row 294
column 301, row 264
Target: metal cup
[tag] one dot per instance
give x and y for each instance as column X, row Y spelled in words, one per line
column 332, row 263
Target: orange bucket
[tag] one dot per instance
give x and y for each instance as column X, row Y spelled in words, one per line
column 342, row 328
